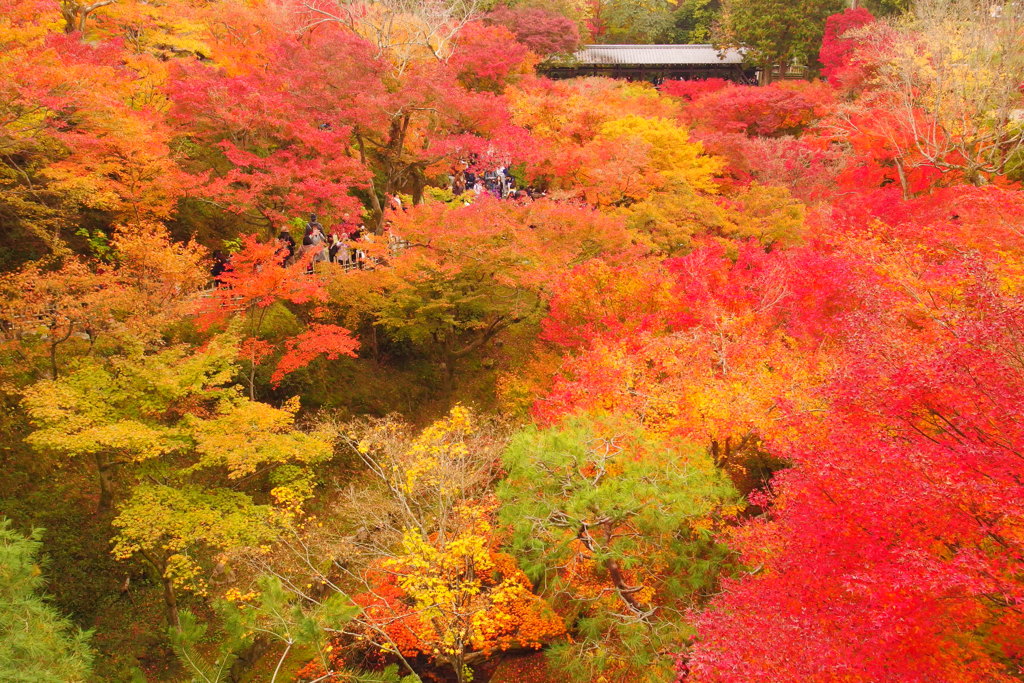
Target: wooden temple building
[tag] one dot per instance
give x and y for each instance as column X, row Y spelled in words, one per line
column 654, row 63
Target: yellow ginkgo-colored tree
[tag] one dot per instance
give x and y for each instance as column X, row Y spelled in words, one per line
column 193, row 467
column 455, row 599
column 433, row 582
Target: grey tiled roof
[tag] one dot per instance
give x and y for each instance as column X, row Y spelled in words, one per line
column 656, row 54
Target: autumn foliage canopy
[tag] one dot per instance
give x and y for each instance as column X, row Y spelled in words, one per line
column 707, row 381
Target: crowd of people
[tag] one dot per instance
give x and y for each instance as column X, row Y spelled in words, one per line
column 319, row 246
column 348, row 250
column 499, row 183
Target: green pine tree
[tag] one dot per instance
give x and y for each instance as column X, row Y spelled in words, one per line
column 775, row 33
column 37, row 643
column 617, row 529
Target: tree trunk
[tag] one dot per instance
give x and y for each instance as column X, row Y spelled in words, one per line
column 252, row 380
column 104, row 471
column 376, row 211
column 625, row 591
column 76, row 14
column 170, row 601
column 458, row 664
column 448, row 366
column 53, row 359
column 903, row 179
column 247, row 659
column 55, row 342
column 72, row 12
column 419, row 184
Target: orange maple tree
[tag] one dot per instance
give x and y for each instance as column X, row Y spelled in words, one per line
column 256, row 279
column 457, row 600
column 83, row 303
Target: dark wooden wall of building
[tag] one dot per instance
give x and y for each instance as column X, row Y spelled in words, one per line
column 654, row 73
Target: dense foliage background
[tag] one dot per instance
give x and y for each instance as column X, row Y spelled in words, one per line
column 732, row 394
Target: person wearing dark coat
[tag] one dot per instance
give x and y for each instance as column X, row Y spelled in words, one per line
column 220, row 264
column 288, row 245
column 314, row 241
column 314, row 223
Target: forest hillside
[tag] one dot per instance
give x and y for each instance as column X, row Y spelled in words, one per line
column 339, row 343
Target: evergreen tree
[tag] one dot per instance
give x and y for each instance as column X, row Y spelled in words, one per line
column 775, row 33
column 695, row 21
column 617, row 529
column 37, row 643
